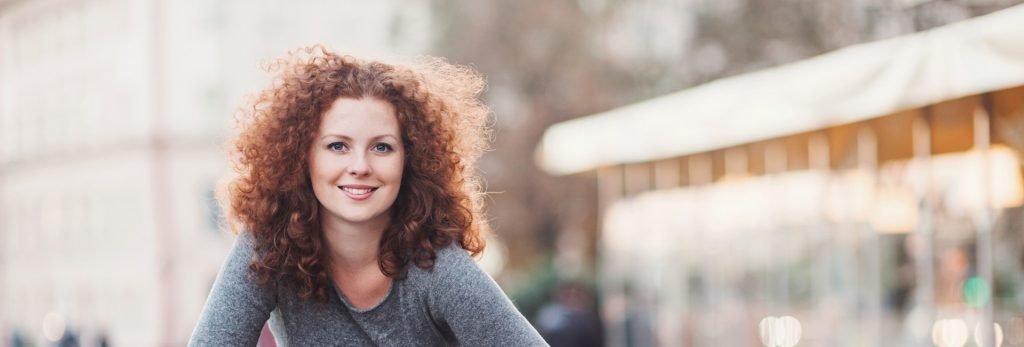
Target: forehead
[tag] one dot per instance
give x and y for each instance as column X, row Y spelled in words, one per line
column 355, row 116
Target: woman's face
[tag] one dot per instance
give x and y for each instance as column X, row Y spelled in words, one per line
column 356, row 162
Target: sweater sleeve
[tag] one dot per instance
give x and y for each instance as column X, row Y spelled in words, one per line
column 236, row 308
column 464, row 299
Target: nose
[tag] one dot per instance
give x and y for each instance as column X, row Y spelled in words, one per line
column 359, row 166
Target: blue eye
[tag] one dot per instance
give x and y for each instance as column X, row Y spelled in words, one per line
column 382, row 147
column 336, row 146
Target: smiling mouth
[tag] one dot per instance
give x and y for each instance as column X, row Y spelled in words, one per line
column 357, row 191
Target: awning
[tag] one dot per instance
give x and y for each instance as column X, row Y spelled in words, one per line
column 977, row 55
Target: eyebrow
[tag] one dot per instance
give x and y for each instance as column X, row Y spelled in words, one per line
column 347, row 138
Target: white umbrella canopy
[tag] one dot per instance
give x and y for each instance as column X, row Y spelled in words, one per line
column 859, row 82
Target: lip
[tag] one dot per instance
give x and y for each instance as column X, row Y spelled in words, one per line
column 347, row 189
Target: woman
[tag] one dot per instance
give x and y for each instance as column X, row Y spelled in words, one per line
column 360, row 209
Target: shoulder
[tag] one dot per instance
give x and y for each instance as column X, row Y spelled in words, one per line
column 452, row 263
column 236, row 306
column 241, row 254
column 236, row 268
column 453, row 256
column 454, row 284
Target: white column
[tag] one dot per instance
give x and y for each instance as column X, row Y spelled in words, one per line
column 983, row 223
column 925, row 232
column 871, row 317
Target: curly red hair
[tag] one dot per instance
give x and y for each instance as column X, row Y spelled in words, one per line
column 444, row 130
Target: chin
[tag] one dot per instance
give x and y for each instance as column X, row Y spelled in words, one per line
column 359, row 217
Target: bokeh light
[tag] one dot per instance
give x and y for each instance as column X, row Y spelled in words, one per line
column 949, row 333
column 997, row 335
column 1015, row 331
column 976, row 292
column 53, row 326
column 782, row 331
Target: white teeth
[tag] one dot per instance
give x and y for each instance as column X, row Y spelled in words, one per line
column 356, row 191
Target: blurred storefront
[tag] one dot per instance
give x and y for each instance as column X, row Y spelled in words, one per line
column 866, row 197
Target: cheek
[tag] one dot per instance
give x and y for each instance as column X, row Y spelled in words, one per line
column 312, row 163
column 395, row 171
column 322, row 169
column 315, row 171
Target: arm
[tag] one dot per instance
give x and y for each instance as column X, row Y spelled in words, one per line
column 471, row 304
column 236, row 308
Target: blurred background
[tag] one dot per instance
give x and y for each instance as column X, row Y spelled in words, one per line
column 664, row 172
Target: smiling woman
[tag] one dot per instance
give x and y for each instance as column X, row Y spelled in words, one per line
column 358, row 211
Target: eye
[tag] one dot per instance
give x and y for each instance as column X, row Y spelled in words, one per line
column 336, row 146
column 382, row 147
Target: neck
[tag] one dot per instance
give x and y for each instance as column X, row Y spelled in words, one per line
column 353, row 246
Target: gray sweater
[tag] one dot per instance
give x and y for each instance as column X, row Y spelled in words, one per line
column 454, row 303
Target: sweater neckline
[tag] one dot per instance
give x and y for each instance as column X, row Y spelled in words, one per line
column 348, row 304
